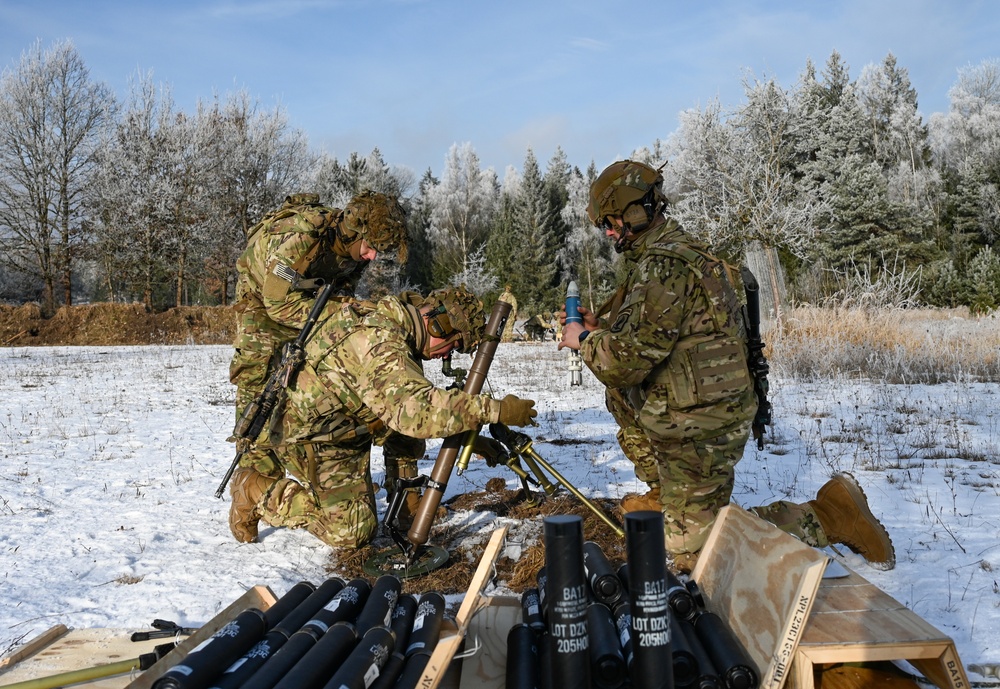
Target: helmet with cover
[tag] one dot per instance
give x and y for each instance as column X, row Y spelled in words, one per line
column 456, row 311
column 378, row 219
column 630, row 190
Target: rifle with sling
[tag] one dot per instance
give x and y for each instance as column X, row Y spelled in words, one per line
column 258, row 412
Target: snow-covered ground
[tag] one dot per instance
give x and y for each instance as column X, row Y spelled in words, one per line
column 109, row 458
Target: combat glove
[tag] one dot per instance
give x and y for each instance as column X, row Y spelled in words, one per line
column 515, row 411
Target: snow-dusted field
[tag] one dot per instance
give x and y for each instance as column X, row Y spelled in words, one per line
column 109, row 458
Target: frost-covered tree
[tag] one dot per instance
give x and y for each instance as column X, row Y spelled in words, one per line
column 258, row 160
column 337, row 183
column 52, row 115
column 419, row 264
column 587, row 253
column 462, row 208
column 536, row 243
column 503, row 244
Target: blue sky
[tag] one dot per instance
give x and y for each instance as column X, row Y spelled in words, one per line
column 413, row 77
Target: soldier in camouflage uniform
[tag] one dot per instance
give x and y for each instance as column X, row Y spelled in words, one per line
column 362, row 383
column 290, row 253
column 670, row 347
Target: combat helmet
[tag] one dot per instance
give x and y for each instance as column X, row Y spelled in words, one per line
column 629, row 189
column 456, row 310
column 379, row 219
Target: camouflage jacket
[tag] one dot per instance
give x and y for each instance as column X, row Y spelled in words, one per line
column 672, row 339
column 299, row 238
column 362, row 375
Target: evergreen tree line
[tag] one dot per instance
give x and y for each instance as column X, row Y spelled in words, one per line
column 839, row 181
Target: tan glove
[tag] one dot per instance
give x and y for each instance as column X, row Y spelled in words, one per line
column 488, row 448
column 515, row 411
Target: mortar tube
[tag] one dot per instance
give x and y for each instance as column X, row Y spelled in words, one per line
column 566, row 598
column 437, row 483
column 652, row 664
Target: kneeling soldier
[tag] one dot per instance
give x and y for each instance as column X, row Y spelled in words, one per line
column 363, row 383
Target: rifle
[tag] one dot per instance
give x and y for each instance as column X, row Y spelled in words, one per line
column 258, row 412
column 755, row 356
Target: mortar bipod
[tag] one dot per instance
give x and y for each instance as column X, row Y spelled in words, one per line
column 520, row 445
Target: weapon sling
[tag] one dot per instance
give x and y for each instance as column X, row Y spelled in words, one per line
column 258, row 412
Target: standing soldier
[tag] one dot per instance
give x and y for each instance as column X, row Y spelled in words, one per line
column 508, row 329
column 670, row 347
column 362, row 383
column 290, row 253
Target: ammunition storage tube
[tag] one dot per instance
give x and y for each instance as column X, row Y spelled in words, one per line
column 522, row 657
column 402, row 620
column 531, row 609
column 607, row 663
column 647, row 571
column 727, row 653
column 566, row 598
column 381, row 602
column 426, row 624
column 365, row 662
column 707, row 677
column 604, row 583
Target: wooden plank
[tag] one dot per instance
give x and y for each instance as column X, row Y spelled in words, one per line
column 33, row 646
column 80, row 649
column 762, row 582
column 447, row 647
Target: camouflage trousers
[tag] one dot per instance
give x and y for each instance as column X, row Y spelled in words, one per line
column 696, row 478
column 329, row 493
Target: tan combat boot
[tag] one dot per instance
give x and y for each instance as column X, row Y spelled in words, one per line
column 246, row 488
column 684, row 562
column 648, row 501
column 843, row 512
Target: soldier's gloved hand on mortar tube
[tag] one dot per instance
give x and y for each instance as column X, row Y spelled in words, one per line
column 515, row 411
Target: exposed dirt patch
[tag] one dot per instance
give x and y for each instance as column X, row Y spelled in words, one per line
column 461, row 532
column 106, row 324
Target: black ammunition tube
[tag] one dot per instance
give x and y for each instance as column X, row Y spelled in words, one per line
column 522, row 657
column 622, row 615
column 206, row 662
column 402, row 620
column 681, row 601
column 707, row 677
column 607, row 663
column 623, row 577
column 531, row 609
column 541, row 576
column 381, row 602
column 566, row 599
column 244, row 668
column 545, row 660
column 288, row 602
column 315, row 667
column 391, row 672
column 426, row 624
column 604, row 583
column 727, row 653
column 413, row 671
column 647, row 571
column 685, row 664
column 342, row 608
column 365, row 662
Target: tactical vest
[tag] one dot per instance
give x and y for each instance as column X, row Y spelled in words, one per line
column 707, row 368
